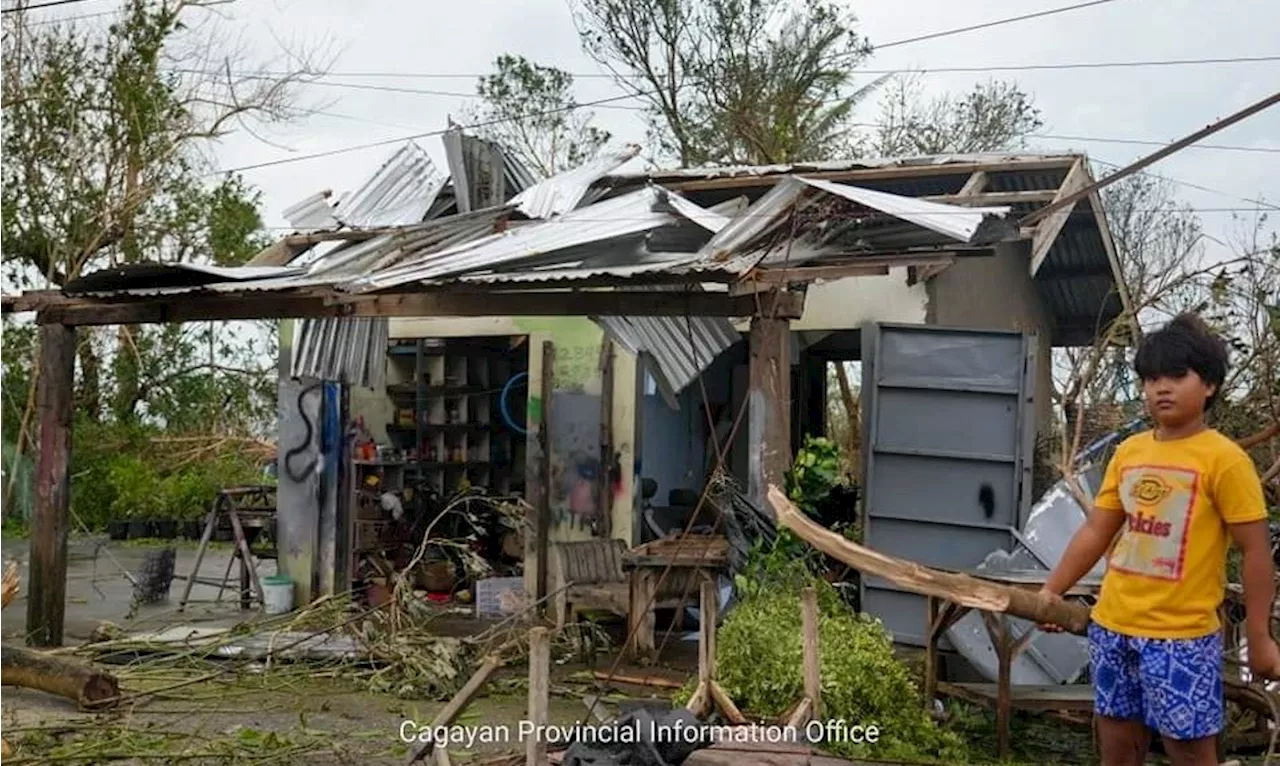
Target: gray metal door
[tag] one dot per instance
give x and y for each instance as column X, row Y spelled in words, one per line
column 947, row 452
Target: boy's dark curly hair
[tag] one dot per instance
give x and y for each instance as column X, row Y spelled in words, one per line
column 1185, row 343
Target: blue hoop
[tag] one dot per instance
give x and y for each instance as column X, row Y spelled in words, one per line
column 502, row 404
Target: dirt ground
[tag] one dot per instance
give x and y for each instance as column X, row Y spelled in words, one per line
column 286, row 716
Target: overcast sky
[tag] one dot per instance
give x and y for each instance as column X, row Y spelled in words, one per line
column 463, row 38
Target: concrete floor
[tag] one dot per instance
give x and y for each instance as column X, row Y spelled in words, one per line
column 98, row 590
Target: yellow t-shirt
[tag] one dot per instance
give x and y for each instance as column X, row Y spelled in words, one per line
column 1166, row 571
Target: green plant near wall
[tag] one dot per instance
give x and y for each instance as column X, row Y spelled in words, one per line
column 815, row 472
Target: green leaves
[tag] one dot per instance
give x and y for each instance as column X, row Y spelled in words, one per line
column 530, row 109
column 815, row 472
column 759, row 656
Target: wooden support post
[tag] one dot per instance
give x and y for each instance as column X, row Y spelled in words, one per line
column 769, row 403
column 709, row 693
column 998, row 629
column 932, row 606
column 812, row 652
column 640, row 620
column 542, row 526
column 47, row 593
column 605, row 476
column 539, row 694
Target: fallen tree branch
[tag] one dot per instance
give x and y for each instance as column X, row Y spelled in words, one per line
column 90, row 688
column 960, row 588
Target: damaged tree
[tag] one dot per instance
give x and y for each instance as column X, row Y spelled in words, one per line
column 962, row 589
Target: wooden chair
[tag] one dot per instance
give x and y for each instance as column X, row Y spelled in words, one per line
column 592, row 570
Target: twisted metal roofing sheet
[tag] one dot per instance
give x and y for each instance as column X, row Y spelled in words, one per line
column 398, row 194
column 562, row 192
column 679, row 349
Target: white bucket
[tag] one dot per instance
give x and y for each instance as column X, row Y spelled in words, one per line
column 277, row 594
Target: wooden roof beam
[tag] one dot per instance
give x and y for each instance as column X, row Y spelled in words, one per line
column 239, row 306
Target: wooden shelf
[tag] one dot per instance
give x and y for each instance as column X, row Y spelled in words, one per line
column 450, row 380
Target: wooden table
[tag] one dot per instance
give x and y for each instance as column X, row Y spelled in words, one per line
column 943, row 614
column 690, row 558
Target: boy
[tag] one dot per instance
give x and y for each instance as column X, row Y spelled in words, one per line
column 1172, row 500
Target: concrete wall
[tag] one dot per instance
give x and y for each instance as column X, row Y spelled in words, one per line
column 846, row 304
column 997, row 293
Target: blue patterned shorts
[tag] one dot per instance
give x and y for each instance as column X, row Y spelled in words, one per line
column 1173, row 685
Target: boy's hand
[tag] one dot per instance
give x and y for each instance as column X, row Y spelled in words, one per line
column 1049, row 627
column 1264, row 660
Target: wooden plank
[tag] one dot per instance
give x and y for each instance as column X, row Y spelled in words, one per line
column 993, row 198
column 769, row 406
column 976, row 184
column 1075, row 697
column 47, row 590
column 249, row 304
column 1161, row 153
column 450, row 712
column 812, row 651
column 539, row 693
column 858, row 266
column 1047, row 230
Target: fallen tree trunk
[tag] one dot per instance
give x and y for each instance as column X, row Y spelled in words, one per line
column 90, row 688
column 960, row 588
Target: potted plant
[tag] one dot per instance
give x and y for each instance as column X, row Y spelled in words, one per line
column 164, row 528
column 139, row 524
column 118, row 529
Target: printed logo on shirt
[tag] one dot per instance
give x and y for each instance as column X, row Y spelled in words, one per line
column 1158, row 501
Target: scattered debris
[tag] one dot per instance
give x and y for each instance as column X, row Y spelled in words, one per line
column 9, row 588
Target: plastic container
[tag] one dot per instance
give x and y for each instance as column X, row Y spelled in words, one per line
column 499, row 596
column 277, row 594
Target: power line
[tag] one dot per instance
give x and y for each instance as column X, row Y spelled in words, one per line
column 401, row 139
column 989, row 24
column 1069, row 65
column 37, row 6
column 1147, row 142
column 1159, row 154
column 1188, row 184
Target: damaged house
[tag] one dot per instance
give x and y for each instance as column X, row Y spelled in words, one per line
column 924, row 269
column 594, row 344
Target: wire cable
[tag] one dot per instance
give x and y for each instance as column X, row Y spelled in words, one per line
column 989, row 24
column 973, row 68
column 37, row 6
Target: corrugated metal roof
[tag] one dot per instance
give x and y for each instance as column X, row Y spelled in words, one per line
column 398, row 194
column 679, row 349
column 561, row 193
column 313, row 213
column 588, row 234
column 350, row 350
column 618, row 217
column 163, row 275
